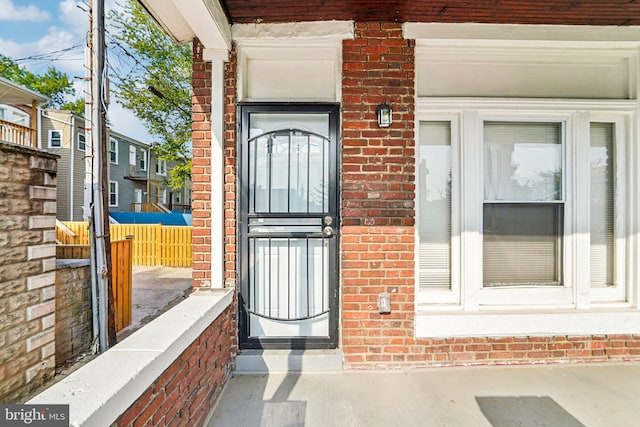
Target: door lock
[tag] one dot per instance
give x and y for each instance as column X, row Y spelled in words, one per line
column 327, row 220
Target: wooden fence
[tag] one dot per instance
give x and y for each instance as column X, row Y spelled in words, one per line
column 121, row 282
column 153, row 244
column 121, row 275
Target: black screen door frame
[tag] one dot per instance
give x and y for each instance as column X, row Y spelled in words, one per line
column 245, row 112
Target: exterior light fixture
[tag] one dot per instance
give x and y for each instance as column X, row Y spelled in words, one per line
column 384, row 115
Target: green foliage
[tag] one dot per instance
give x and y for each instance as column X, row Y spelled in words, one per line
column 164, row 66
column 53, row 83
column 76, row 107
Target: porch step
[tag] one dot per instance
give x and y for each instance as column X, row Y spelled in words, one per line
column 266, row 361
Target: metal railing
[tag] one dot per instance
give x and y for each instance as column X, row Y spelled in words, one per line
column 145, row 207
column 17, row 134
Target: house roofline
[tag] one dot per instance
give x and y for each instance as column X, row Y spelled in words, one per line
column 14, row 93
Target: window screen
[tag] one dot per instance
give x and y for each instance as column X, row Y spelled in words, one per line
column 434, row 205
column 523, row 204
column 602, row 204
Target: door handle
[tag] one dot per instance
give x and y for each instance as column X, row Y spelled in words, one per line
column 327, row 231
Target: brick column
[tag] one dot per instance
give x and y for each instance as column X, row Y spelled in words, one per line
column 201, row 170
column 378, row 190
column 230, row 173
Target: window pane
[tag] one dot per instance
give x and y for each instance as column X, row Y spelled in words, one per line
column 269, row 122
column 522, row 244
column 288, row 172
column 602, row 205
column 522, row 161
column 434, row 205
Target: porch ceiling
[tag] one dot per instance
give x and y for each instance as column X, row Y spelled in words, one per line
column 15, row 94
column 559, row 12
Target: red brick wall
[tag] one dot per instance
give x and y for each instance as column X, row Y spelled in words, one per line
column 186, row 391
column 377, row 194
column 230, row 156
column 377, row 237
column 201, row 170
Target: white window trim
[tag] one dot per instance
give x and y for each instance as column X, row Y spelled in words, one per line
column 51, row 132
column 143, row 157
column 507, row 297
column 115, row 151
column 132, row 155
column 445, row 296
column 471, row 304
column 116, row 193
column 161, row 167
column 78, row 142
column 623, row 177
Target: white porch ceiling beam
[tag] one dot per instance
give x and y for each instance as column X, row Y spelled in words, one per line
column 185, row 19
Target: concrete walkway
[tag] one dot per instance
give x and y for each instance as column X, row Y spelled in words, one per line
column 155, row 290
column 598, row 395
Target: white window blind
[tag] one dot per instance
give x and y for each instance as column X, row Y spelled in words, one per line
column 602, row 205
column 523, row 207
column 434, row 205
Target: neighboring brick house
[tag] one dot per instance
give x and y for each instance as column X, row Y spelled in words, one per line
column 497, row 211
column 137, row 179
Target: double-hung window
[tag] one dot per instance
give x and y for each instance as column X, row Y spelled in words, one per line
column 132, row 155
column 82, row 142
column 55, row 139
column 113, row 151
column 142, row 159
column 161, row 167
column 522, row 209
column 113, row 193
column 523, row 206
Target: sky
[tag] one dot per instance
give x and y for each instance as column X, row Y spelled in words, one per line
column 37, row 27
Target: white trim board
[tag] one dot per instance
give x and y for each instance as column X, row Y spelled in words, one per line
column 519, row 33
column 576, row 323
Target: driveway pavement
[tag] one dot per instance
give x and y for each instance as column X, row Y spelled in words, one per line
column 594, row 395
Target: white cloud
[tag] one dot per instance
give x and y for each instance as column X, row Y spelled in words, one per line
column 124, row 122
column 74, row 15
column 11, row 12
column 56, row 39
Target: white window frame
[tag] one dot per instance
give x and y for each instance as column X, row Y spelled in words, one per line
column 14, row 115
column 466, row 293
column 143, row 159
column 115, row 142
column 115, row 183
column 132, row 155
column 507, row 297
column 84, row 142
column 442, row 295
column 161, row 167
column 51, row 132
column 623, row 180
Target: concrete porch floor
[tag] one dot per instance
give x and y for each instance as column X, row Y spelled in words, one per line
column 526, row 396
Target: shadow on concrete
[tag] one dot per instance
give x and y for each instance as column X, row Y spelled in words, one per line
column 155, row 290
column 525, row 411
column 269, row 408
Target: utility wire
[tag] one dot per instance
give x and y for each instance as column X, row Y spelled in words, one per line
column 151, row 88
column 49, row 55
